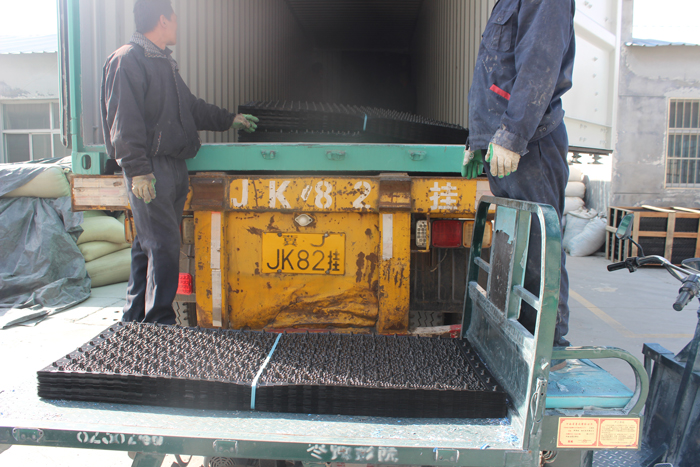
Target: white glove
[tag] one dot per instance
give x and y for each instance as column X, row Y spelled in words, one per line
column 144, row 187
column 468, row 156
column 503, row 162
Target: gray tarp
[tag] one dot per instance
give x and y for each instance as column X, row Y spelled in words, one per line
column 41, row 266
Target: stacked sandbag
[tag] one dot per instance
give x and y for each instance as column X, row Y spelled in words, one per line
column 51, row 182
column 584, row 233
column 103, row 244
column 575, row 190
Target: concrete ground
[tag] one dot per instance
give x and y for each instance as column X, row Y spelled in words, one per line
column 624, row 310
column 616, row 309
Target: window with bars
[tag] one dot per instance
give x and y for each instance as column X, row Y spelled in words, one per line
column 31, row 131
column 682, row 154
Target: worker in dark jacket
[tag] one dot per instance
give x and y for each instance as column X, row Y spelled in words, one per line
column 516, row 128
column 150, row 121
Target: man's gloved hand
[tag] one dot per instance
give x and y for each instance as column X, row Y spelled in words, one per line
column 144, row 187
column 473, row 164
column 503, row 162
column 245, row 122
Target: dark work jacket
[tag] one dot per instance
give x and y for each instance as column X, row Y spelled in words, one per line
column 148, row 110
column 524, row 66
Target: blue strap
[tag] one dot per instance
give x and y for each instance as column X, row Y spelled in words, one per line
column 364, row 128
column 260, row 371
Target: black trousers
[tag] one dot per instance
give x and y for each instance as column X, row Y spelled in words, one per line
column 155, row 254
column 541, row 177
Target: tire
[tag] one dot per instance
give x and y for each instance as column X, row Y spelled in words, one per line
column 425, row 319
column 185, row 314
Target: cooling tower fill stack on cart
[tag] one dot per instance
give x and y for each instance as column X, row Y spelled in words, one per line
column 309, row 122
column 393, row 376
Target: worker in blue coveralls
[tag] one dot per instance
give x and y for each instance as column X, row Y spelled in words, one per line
column 150, row 121
column 516, row 129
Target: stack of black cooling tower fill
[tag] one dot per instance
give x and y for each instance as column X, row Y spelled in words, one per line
column 309, row 122
column 392, row 376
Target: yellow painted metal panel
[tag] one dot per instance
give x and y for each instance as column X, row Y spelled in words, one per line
column 395, row 270
column 444, row 195
column 257, row 300
column 203, row 290
column 313, row 194
column 292, row 253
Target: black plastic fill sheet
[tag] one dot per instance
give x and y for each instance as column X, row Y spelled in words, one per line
column 41, row 268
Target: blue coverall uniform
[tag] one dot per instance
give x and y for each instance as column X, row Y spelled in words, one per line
column 524, row 66
column 150, row 121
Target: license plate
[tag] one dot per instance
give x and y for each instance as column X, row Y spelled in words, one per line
column 303, row 253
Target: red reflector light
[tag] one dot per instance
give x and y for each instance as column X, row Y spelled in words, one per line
column 184, row 286
column 446, row 234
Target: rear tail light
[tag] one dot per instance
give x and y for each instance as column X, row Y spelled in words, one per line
column 446, row 234
column 184, row 286
column 422, row 234
column 469, row 233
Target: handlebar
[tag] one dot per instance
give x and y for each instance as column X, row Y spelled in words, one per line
column 632, row 264
column 683, row 299
column 616, row 266
column 689, row 289
column 690, row 277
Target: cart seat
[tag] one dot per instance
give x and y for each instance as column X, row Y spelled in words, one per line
column 582, row 383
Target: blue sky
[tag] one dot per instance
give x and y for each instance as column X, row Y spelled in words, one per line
column 669, row 20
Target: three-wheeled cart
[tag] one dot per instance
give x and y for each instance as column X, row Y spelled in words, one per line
column 558, row 418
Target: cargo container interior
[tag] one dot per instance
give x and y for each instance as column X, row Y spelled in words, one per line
column 410, row 55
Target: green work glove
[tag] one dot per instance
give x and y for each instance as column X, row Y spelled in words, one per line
column 473, row 165
column 245, row 122
column 503, row 161
column 144, row 187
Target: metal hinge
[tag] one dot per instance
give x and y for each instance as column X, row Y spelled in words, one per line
column 446, row 455
column 223, row 446
column 24, row 435
column 536, row 410
column 335, row 155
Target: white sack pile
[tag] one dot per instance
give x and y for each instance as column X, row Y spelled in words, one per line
column 575, row 191
column 104, row 246
column 51, row 183
column 584, row 233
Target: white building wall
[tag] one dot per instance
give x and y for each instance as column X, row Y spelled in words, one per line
column 28, row 76
column 649, row 78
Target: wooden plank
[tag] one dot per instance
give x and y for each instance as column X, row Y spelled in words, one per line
column 670, row 230
column 657, row 209
column 635, row 235
column 692, row 211
column 607, row 234
column 451, row 330
column 614, row 241
column 643, row 235
column 99, row 192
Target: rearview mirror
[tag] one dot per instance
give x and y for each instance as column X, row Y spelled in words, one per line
column 693, row 263
column 624, row 230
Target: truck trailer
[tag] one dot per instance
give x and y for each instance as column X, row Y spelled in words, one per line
column 377, row 238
